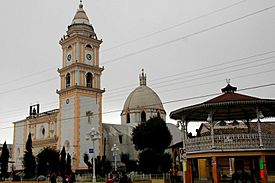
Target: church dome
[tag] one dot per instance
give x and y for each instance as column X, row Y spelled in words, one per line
column 143, row 97
column 142, row 103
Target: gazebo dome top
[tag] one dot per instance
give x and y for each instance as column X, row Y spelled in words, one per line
column 229, row 89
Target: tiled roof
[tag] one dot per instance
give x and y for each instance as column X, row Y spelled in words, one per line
column 230, row 97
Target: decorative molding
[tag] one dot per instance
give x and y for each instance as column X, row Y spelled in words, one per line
column 81, row 66
column 72, row 90
column 45, row 142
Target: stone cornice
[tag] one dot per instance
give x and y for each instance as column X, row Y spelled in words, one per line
column 78, row 66
column 81, row 38
column 77, row 88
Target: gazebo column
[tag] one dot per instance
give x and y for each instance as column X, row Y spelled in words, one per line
column 230, row 166
column 183, row 124
column 214, row 170
column 189, row 178
column 213, row 158
column 259, row 116
column 211, row 121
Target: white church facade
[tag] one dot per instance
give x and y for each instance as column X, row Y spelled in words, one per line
column 80, row 105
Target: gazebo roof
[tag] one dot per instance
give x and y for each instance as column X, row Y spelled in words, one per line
column 228, row 106
column 230, row 97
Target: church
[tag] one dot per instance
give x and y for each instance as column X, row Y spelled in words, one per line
column 80, row 105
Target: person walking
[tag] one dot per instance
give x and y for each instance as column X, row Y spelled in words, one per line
column 116, row 177
column 109, row 178
column 53, row 177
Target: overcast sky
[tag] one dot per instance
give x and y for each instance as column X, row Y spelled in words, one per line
column 186, row 47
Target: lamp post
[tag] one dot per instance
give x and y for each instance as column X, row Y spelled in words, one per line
column 115, row 149
column 93, row 135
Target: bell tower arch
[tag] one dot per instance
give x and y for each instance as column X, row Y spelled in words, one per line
column 80, row 90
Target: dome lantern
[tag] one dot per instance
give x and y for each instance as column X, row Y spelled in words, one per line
column 80, row 16
column 142, row 78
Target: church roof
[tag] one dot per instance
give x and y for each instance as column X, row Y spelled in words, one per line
column 80, row 16
column 143, row 97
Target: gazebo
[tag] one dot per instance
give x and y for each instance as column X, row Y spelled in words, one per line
column 232, row 142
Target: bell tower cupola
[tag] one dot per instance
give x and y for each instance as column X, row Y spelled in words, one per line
column 80, row 93
column 80, row 60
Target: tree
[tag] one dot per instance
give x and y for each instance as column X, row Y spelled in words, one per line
column 131, row 165
column 4, row 160
column 152, row 134
column 149, row 161
column 165, row 162
column 62, row 163
column 68, row 164
column 152, row 138
column 103, row 166
column 47, row 161
column 29, row 160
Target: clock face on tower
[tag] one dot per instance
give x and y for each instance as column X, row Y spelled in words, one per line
column 69, row 57
column 89, row 56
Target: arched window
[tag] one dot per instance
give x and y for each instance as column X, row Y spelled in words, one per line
column 68, row 80
column 89, row 80
column 143, row 116
column 42, row 131
column 67, row 145
column 88, row 46
column 120, row 138
column 128, row 120
column 18, row 151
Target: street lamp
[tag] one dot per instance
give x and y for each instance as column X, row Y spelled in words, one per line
column 115, row 149
column 93, row 135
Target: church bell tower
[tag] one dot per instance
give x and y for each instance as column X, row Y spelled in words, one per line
column 80, row 94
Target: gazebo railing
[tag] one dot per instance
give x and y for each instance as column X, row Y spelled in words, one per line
column 237, row 141
column 230, row 142
column 198, row 144
column 268, row 141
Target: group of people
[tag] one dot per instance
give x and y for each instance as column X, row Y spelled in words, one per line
column 114, row 177
column 68, row 178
